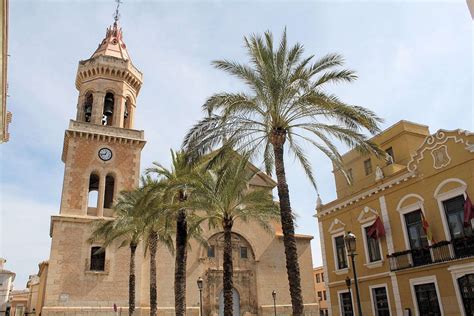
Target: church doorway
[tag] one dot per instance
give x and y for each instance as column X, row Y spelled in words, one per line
column 235, row 303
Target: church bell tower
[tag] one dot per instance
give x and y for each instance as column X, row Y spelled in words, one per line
column 101, row 154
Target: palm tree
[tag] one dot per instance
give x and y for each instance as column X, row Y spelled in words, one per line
column 127, row 226
column 223, row 193
column 178, row 181
column 157, row 230
column 285, row 103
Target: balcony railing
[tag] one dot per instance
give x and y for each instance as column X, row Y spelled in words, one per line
column 439, row 252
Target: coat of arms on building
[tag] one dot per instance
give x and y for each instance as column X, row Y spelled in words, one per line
column 440, row 157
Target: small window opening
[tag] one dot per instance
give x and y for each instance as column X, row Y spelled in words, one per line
column 109, row 191
column 93, row 190
column 211, row 251
column 368, row 167
column 108, row 114
column 243, row 252
column 126, row 114
column 390, row 156
column 88, row 107
column 350, row 175
column 97, row 259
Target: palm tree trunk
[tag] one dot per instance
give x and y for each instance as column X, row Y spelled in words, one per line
column 288, row 227
column 180, row 264
column 228, row 268
column 153, row 245
column 131, row 280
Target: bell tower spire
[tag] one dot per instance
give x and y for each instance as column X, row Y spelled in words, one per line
column 108, row 82
column 101, row 153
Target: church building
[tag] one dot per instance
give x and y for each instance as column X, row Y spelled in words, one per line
column 101, row 153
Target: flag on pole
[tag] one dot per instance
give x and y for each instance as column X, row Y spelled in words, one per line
column 468, row 211
column 377, row 229
column 426, row 228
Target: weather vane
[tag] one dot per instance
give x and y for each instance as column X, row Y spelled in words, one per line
column 117, row 14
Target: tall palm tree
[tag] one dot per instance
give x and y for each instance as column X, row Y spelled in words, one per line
column 223, row 193
column 128, row 226
column 285, row 103
column 158, row 230
column 178, row 181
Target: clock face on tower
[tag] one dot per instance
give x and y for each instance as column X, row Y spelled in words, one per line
column 105, row 154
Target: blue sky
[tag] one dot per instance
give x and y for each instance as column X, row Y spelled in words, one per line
column 414, row 61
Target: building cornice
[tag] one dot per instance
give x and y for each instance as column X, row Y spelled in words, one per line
column 101, row 133
column 365, row 194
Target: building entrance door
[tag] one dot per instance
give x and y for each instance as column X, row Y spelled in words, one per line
column 235, row 303
column 466, row 287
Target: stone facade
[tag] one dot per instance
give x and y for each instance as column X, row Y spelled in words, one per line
column 320, row 289
column 102, row 154
column 6, row 286
column 420, row 189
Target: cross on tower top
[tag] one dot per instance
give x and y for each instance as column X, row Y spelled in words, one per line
column 117, row 14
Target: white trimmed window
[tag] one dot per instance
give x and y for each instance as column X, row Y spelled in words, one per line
column 425, row 295
column 380, row 302
column 346, row 307
column 340, row 252
column 372, row 246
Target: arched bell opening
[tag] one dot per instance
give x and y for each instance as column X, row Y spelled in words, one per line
column 109, row 191
column 88, row 107
column 126, row 113
column 93, row 194
column 108, row 113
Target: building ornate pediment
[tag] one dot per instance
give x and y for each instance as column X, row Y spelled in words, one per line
column 336, row 226
column 437, row 147
column 367, row 214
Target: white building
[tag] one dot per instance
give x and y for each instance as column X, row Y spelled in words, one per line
column 6, row 285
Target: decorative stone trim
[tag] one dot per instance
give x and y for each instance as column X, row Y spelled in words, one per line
column 367, row 214
column 434, row 141
column 382, row 187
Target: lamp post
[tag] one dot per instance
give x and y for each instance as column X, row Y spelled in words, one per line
column 350, row 241
column 199, row 284
column 348, row 284
column 274, row 295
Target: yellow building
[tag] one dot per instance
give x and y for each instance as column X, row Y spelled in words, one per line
column 18, row 302
column 423, row 262
column 5, row 116
column 320, row 290
column 36, row 287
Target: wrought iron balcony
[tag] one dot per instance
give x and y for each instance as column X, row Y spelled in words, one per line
column 439, row 252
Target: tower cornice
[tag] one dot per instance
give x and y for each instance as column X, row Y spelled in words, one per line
column 111, row 68
column 105, row 134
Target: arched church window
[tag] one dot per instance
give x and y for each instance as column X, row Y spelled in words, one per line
column 88, row 107
column 108, row 113
column 109, row 191
column 244, row 253
column 93, row 190
column 126, row 114
column 211, row 251
column 97, row 259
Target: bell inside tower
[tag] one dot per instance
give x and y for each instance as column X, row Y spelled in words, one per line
column 108, row 114
column 88, row 108
column 126, row 114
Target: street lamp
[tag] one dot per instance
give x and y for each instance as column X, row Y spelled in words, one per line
column 274, row 295
column 199, row 284
column 350, row 241
column 348, row 283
